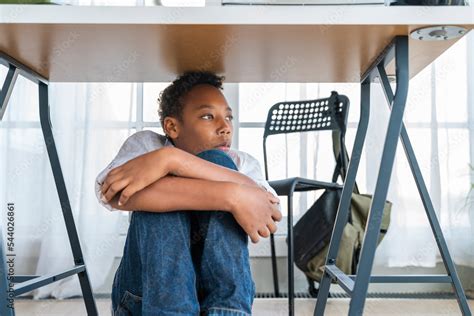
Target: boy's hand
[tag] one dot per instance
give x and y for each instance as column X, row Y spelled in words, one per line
column 256, row 211
column 135, row 175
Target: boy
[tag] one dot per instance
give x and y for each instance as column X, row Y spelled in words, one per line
column 195, row 200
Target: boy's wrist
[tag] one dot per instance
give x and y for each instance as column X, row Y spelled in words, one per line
column 166, row 157
column 230, row 192
column 175, row 160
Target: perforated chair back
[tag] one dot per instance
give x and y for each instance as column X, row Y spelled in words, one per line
column 306, row 116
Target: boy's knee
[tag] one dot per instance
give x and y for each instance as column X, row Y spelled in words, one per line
column 218, row 157
column 159, row 220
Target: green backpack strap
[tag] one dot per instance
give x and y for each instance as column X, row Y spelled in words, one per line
column 342, row 158
column 360, row 203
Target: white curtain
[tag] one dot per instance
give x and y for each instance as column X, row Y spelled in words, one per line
column 437, row 117
column 84, row 149
column 440, row 124
column 41, row 241
column 81, row 116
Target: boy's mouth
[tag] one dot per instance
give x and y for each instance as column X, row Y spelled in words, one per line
column 224, row 146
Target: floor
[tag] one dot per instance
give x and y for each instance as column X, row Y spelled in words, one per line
column 265, row 307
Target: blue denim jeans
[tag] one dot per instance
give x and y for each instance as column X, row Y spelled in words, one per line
column 185, row 263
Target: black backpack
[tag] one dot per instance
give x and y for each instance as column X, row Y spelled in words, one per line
column 312, row 232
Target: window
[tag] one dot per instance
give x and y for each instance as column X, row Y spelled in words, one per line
column 438, row 95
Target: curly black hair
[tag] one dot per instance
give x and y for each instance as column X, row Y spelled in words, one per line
column 170, row 98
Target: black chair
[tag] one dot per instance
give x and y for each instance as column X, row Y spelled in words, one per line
column 296, row 117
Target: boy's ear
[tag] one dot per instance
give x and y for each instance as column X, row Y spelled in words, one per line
column 171, row 127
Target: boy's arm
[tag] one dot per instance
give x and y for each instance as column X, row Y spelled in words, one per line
column 172, row 193
column 187, row 165
column 254, row 209
column 144, row 170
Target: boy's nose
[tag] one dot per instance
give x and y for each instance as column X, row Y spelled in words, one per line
column 224, row 127
column 224, row 130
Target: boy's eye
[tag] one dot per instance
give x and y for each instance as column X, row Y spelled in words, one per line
column 210, row 116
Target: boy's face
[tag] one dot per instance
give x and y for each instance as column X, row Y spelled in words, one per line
column 206, row 121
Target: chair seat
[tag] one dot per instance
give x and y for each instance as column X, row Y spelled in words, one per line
column 297, row 184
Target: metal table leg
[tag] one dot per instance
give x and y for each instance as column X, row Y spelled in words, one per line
column 425, row 197
column 28, row 283
column 343, row 210
column 357, row 286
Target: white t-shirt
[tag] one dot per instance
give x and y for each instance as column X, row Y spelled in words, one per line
column 145, row 141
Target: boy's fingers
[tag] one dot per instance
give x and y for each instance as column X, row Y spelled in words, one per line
column 254, row 237
column 109, row 180
column 272, row 227
column 264, row 232
column 105, row 186
column 123, row 199
column 126, row 194
column 273, row 198
column 113, row 189
column 114, row 170
column 277, row 216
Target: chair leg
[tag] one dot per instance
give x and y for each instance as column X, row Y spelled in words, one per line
column 312, row 290
column 291, row 294
column 274, row 266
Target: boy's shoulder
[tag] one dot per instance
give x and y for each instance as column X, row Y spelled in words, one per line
column 146, row 136
column 146, row 140
column 242, row 159
column 240, row 153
